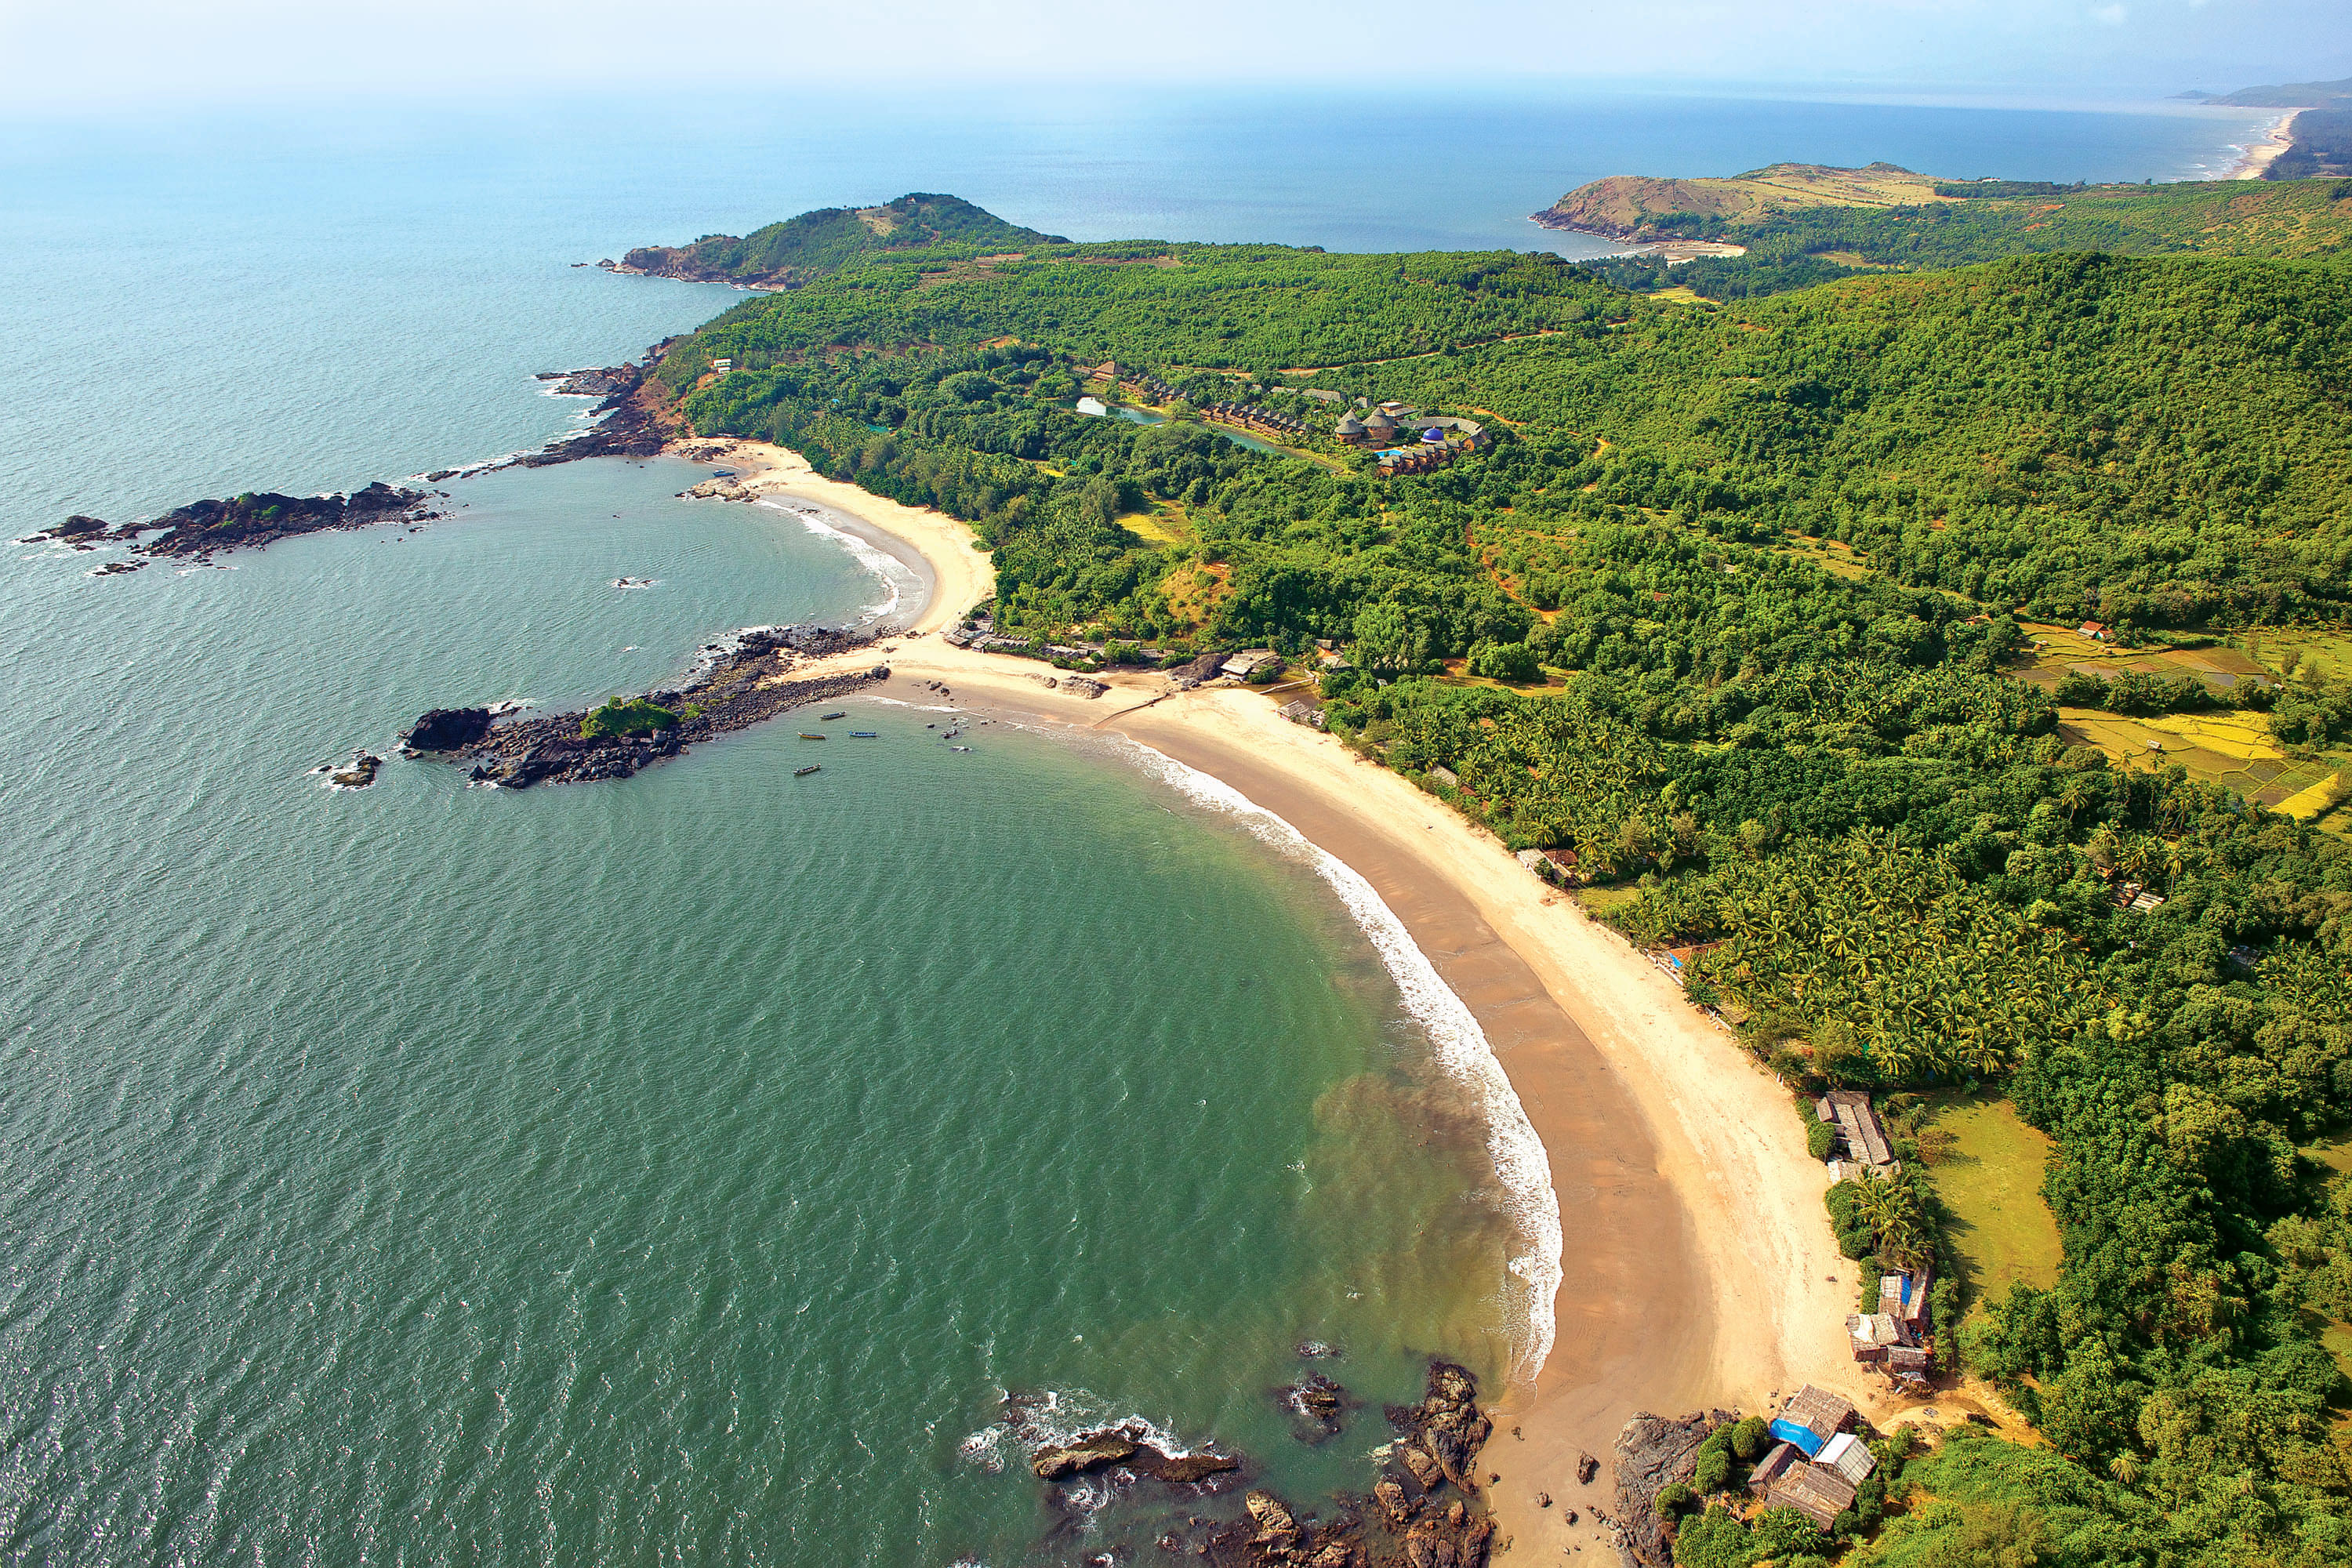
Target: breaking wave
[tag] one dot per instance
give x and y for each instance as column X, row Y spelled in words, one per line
column 1462, row 1049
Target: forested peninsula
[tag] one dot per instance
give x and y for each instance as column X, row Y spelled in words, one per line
column 1805, row 625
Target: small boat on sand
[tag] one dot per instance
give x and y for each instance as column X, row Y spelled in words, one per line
column 804, row 773
column 805, row 735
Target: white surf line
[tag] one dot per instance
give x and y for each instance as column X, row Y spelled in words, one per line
column 900, row 581
column 1463, row 1048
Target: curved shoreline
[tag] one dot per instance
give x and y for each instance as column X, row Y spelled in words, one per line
column 1699, row 1268
column 2256, row 159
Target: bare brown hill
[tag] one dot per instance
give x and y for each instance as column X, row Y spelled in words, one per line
column 1631, row 206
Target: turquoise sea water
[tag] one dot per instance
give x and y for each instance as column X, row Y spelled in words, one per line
column 682, row 1168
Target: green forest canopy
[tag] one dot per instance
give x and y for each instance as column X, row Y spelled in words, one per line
column 784, row 254
column 1914, row 878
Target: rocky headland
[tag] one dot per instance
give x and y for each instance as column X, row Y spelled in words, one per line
column 636, row 415
column 1652, row 1454
column 202, row 528
column 633, row 419
column 743, row 684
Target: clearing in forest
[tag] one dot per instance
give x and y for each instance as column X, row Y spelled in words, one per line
column 1990, row 1180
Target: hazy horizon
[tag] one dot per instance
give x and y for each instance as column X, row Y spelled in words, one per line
column 110, row 57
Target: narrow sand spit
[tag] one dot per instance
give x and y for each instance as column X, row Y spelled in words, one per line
column 1699, row 1268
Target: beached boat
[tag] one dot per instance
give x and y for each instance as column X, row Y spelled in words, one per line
column 804, row 773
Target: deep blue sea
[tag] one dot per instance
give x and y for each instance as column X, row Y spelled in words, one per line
column 684, row 1169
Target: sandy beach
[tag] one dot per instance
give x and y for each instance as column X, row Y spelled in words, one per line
column 2263, row 154
column 1698, row 1265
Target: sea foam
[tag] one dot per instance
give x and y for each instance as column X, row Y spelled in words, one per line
column 896, row 577
column 1462, row 1048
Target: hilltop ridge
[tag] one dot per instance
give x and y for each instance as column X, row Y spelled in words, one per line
column 798, row 249
column 1637, row 207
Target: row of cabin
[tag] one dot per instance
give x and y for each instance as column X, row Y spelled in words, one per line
column 1817, row 1462
column 1254, row 418
column 1895, row 1337
column 1154, row 388
column 1414, row 460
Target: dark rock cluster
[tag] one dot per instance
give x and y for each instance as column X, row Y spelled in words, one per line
column 248, row 522
column 1319, row 1404
column 1652, row 1452
column 744, row 684
column 633, row 421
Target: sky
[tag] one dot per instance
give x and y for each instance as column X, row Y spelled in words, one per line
column 77, row 57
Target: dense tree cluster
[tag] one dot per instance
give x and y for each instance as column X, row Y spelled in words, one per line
column 1898, row 872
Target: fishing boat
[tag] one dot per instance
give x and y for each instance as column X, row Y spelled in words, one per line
column 807, row 736
column 958, row 748
column 864, row 734
column 804, row 773
column 824, row 716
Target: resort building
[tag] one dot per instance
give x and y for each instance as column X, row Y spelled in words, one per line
column 1871, row 1334
column 1904, row 1299
column 1350, row 429
column 1818, row 1462
column 1849, row 1456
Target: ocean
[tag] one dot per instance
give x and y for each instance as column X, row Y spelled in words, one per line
column 690, row 1167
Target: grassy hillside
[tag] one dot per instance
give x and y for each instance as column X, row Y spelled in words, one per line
column 785, row 255
column 1634, row 207
column 1957, row 223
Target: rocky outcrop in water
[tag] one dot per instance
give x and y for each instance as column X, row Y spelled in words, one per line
column 636, row 418
column 447, row 730
column 202, row 528
column 1445, row 1432
column 1319, row 1404
column 744, row 683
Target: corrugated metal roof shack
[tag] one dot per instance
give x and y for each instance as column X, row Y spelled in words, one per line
column 1847, row 1455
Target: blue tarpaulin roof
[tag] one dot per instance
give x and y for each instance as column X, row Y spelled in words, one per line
column 1790, row 1432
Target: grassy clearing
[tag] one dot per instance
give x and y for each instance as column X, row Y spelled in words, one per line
column 2058, row 650
column 1991, row 1182
column 2324, row 653
column 1831, row 554
column 1164, row 523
